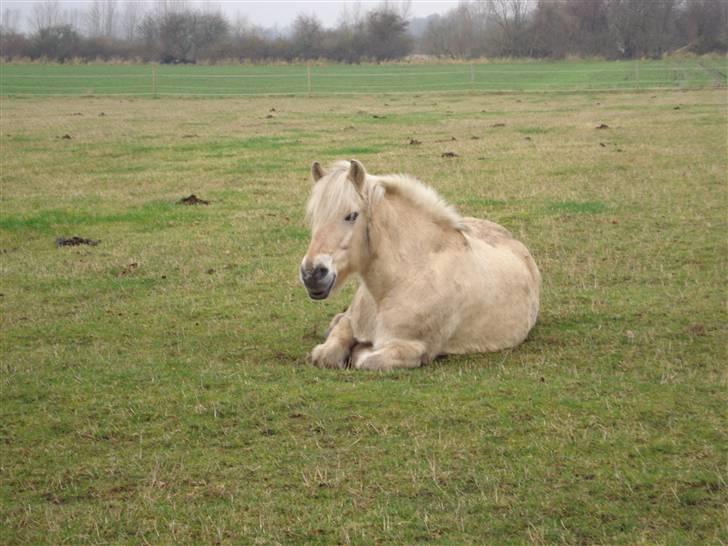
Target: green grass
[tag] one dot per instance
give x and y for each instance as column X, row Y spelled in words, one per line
column 100, row 79
column 170, row 401
column 150, row 214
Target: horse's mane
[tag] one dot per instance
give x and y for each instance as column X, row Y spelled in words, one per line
column 341, row 194
column 422, row 197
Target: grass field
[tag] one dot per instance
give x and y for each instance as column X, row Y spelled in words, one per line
column 103, row 79
column 155, row 388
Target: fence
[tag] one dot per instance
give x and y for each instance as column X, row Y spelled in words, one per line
column 164, row 80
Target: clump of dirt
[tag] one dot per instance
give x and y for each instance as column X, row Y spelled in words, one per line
column 602, row 126
column 449, row 154
column 269, row 116
column 75, row 241
column 498, row 125
column 128, row 270
column 66, row 137
column 192, row 200
column 697, row 329
column 414, row 142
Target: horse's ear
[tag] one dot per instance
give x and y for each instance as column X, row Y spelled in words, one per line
column 317, row 171
column 357, row 174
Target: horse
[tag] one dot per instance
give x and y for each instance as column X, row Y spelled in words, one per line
column 432, row 282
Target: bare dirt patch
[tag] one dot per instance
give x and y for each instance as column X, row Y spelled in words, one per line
column 75, row 241
column 192, row 199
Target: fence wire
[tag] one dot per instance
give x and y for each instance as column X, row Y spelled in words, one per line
column 155, row 80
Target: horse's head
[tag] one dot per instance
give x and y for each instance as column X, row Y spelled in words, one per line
column 338, row 227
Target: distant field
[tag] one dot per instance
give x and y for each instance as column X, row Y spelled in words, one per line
column 336, row 79
column 154, row 387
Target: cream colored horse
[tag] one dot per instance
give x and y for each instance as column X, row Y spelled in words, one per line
column 432, row 282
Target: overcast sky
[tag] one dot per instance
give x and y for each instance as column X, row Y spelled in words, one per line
column 271, row 13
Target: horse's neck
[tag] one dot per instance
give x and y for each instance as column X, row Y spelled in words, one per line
column 400, row 239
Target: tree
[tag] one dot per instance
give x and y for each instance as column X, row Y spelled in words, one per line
column 131, row 16
column 308, row 37
column 386, row 35
column 10, row 20
column 551, row 30
column 642, row 27
column 46, row 14
column 510, row 18
column 209, row 32
column 13, row 44
column 175, row 36
column 460, row 33
column 703, row 25
column 59, row 43
column 591, row 34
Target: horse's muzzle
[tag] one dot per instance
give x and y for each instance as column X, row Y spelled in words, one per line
column 318, row 282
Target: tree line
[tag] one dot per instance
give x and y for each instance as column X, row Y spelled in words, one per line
column 176, row 31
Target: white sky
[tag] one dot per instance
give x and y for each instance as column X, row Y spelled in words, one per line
column 271, row 13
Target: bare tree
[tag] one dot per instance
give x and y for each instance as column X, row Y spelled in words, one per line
column 400, row 7
column 131, row 17
column 510, row 18
column 101, row 18
column 386, row 35
column 308, row 33
column 641, row 27
column 109, row 20
column 94, row 17
column 591, row 27
column 10, row 20
column 167, row 7
column 703, row 24
column 45, row 14
column 459, row 33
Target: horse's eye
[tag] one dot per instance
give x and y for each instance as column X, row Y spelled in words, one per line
column 351, row 217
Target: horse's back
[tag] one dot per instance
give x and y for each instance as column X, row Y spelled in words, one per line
column 497, row 236
column 503, row 306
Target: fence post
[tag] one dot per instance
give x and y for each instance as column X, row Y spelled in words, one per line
column 154, row 80
column 308, row 77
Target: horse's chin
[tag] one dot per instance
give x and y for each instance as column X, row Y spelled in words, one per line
column 322, row 294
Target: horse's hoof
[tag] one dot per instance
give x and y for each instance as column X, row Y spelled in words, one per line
column 325, row 356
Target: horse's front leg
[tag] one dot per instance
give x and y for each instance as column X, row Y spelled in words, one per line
column 335, row 351
column 397, row 353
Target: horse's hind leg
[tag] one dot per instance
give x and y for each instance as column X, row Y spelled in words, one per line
column 335, row 351
column 394, row 354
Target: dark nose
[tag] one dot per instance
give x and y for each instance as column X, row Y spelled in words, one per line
column 315, row 275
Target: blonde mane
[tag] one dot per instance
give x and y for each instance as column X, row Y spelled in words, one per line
column 334, row 194
column 423, row 198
